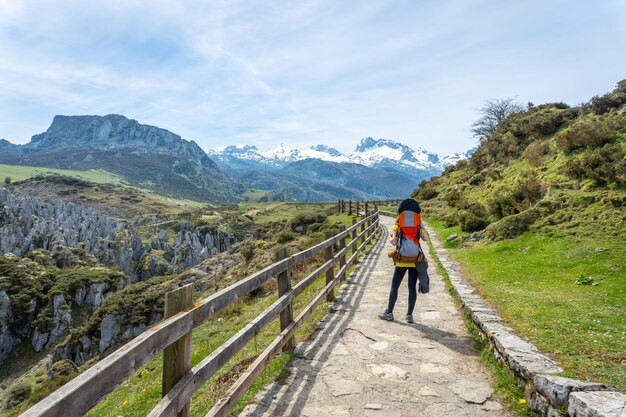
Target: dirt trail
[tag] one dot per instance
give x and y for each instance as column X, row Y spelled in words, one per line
column 359, row 365
column 269, row 207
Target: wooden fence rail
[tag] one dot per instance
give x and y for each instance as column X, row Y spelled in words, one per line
column 344, row 206
column 79, row 395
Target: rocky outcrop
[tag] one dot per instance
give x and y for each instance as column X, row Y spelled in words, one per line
column 7, row 339
column 28, row 223
column 61, row 322
column 63, row 235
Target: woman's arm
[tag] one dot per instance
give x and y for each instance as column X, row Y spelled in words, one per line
column 424, row 234
column 393, row 237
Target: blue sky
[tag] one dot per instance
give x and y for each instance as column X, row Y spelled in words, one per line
column 302, row 72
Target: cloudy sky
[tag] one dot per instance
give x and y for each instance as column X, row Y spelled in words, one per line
column 302, row 72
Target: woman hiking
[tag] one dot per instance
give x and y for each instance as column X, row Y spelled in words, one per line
column 407, row 256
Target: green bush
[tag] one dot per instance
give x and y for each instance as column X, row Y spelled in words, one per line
column 539, row 121
column 511, row 226
column 425, row 191
column 526, row 190
column 604, row 166
column 248, row 250
column 285, row 236
column 610, row 101
column 537, row 152
column 590, row 131
column 474, row 218
column 17, row 394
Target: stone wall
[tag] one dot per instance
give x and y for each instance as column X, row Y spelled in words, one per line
column 546, row 393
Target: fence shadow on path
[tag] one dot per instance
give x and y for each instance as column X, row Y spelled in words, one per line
column 460, row 344
column 310, row 356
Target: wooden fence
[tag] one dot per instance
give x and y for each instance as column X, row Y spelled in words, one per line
column 362, row 206
column 173, row 334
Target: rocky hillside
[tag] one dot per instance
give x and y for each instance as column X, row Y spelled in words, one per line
column 145, row 156
column 85, row 255
column 553, row 168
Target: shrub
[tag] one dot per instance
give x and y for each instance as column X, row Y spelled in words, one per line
column 610, row 101
column 17, row 394
column 590, row 131
column 248, row 250
column 536, row 153
column 451, row 219
column 285, row 236
column 7, row 180
column 512, row 226
column 474, row 218
column 526, row 190
column 539, row 121
column 425, row 191
column 603, row 166
column 453, row 197
column 62, row 368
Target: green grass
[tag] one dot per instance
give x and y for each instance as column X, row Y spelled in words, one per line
column 277, row 211
column 531, row 281
column 19, row 173
column 253, row 195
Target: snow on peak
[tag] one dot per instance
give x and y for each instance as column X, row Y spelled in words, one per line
column 369, row 152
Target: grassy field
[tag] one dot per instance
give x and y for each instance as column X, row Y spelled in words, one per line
column 19, row 173
column 567, row 295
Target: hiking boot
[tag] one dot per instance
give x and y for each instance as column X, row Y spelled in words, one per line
column 385, row 316
column 409, row 318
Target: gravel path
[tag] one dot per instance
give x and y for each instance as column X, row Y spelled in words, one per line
column 359, row 365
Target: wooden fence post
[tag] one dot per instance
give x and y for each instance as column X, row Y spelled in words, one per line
column 355, row 246
column 330, row 274
column 338, row 205
column 357, row 208
column 342, row 258
column 366, row 213
column 177, row 356
column 350, row 207
column 286, row 316
column 363, row 237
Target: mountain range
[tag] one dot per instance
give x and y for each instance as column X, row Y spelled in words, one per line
column 378, row 168
column 157, row 159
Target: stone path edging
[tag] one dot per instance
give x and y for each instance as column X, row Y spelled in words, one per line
column 546, row 393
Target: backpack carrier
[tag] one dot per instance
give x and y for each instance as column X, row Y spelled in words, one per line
column 408, row 248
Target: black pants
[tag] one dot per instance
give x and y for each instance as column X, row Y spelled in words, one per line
column 398, row 275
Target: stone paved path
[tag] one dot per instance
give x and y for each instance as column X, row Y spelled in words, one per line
column 359, row 365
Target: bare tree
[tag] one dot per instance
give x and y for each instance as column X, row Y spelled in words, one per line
column 493, row 113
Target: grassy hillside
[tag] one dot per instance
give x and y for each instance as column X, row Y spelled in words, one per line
column 19, row 173
column 539, row 211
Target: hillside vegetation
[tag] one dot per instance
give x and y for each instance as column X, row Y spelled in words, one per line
column 539, row 211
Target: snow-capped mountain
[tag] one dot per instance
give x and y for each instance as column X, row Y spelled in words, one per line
column 369, row 152
column 378, row 168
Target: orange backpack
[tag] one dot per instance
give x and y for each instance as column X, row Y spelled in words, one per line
column 408, row 247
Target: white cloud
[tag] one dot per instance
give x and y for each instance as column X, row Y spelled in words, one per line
column 323, row 71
